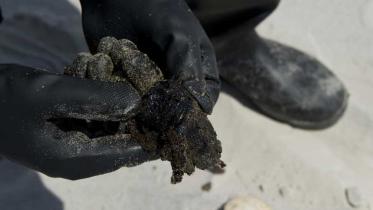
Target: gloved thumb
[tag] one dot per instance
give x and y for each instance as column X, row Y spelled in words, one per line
column 60, row 96
column 93, row 100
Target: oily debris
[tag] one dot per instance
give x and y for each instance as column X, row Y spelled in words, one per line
column 169, row 120
column 217, row 170
column 207, row 187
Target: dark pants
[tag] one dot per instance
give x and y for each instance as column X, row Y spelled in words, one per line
column 219, row 16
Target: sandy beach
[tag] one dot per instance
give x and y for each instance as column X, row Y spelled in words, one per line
column 285, row 167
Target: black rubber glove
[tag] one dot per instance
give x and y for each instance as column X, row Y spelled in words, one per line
column 30, row 98
column 167, row 31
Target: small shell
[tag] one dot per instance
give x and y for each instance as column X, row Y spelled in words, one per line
column 246, row 203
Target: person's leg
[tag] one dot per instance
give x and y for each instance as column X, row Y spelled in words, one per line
column 40, row 33
column 282, row 82
column 218, row 16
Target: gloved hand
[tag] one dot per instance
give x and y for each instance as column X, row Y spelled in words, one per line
column 30, row 98
column 167, row 31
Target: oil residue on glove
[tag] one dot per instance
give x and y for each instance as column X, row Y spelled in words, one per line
column 169, row 120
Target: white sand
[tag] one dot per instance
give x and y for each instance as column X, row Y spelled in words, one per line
column 296, row 170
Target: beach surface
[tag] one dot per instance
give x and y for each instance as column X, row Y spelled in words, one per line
column 285, row 167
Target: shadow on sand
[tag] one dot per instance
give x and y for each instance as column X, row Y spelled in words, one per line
column 22, row 189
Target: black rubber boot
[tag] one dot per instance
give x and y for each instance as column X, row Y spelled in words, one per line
column 280, row 81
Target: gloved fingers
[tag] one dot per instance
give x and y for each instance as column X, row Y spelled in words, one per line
column 169, row 32
column 182, row 38
column 77, row 156
column 206, row 95
column 85, row 167
column 104, row 155
column 183, row 58
column 208, row 60
column 190, row 57
column 93, row 100
column 184, row 63
column 210, row 71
